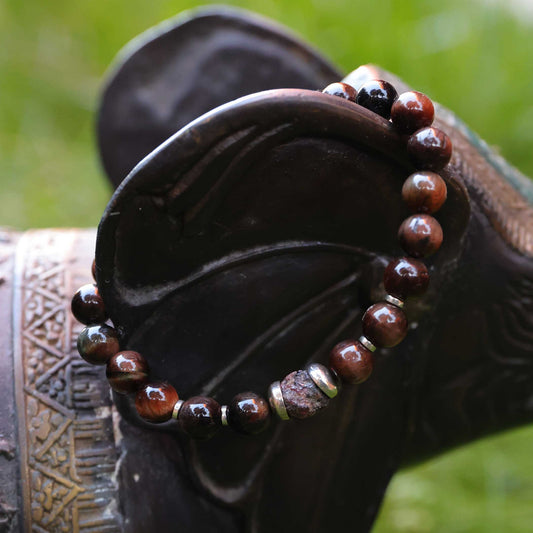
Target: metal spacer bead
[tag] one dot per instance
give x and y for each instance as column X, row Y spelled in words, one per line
column 276, row 401
column 394, row 301
column 224, row 415
column 366, row 343
column 323, row 379
column 176, row 410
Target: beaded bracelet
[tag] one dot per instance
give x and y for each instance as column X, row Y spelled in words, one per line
column 304, row 392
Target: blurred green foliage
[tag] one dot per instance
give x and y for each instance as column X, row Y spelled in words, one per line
column 472, row 56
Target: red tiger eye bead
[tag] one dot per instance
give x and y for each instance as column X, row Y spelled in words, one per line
column 424, row 192
column 87, row 305
column 412, row 111
column 429, row 148
column 385, row 325
column 155, row 402
column 199, row 417
column 98, row 343
column 406, row 277
column 127, row 371
column 351, row 361
column 342, row 90
column 377, row 96
column 420, row 235
column 248, row 413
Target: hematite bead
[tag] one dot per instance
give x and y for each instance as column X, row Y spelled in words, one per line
column 97, row 344
column 351, row 361
column 412, row 111
column 200, row 417
column 377, row 96
column 420, row 235
column 301, row 396
column 429, row 149
column 248, row 413
column 127, row 371
column 406, row 277
column 87, row 305
column 155, row 401
column 385, row 325
column 424, row 192
column 342, row 90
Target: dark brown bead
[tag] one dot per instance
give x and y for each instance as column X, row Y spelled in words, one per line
column 127, row 372
column 420, row 235
column 248, row 413
column 342, row 90
column 199, row 417
column 406, row 277
column 424, row 192
column 93, row 269
column 352, row 362
column 98, row 343
column 385, row 325
column 377, row 96
column 429, row 149
column 301, row 396
column 412, row 111
column 155, row 402
column 87, row 305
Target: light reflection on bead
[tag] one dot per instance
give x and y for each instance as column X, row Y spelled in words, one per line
column 276, row 401
column 323, row 379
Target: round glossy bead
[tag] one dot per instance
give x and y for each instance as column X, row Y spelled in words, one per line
column 155, row 401
column 377, row 96
column 406, row 277
column 412, row 111
column 424, row 192
column 248, row 413
column 200, row 417
column 351, row 361
column 420, row 235
column 301, row 396
column 385, row 325
column 429, row 149
column 342, row 90
column 127, row 371
column 87, row 305
column 98, row 343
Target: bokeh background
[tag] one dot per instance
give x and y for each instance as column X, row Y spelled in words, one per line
column 473, row 56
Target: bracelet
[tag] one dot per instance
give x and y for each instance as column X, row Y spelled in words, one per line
column 304, row 392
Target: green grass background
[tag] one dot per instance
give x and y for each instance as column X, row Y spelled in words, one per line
column 472, row 57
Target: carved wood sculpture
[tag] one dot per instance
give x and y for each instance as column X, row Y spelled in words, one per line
column 239, row 250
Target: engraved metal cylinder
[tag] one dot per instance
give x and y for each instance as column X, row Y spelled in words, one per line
column 367, row 344
column 394, row 301
column 224, row 415
column 323, row 378
column 276, row 401
column 176, row 410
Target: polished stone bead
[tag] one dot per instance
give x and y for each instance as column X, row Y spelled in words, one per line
column 429, row 149
column 412, row 111
column 155, row 401
column 420, row 235
column 248, row 413
column 351, row 361
column 406, row 277
column 424, row 192
column 87, row 305
column 98, row 343
column 342, row 90
column 377, row 96
column 385, row 325
column 127, row 372
column 200, row 417
column 301, row 396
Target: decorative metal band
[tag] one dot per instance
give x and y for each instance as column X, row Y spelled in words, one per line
column 366, row 343
column 323, row 379
column 276, row 400
column 66, row 440
column 394, row 301
column 224, row 415
column 176, row 410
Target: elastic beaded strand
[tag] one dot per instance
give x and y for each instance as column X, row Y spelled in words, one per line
column 302, row 393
